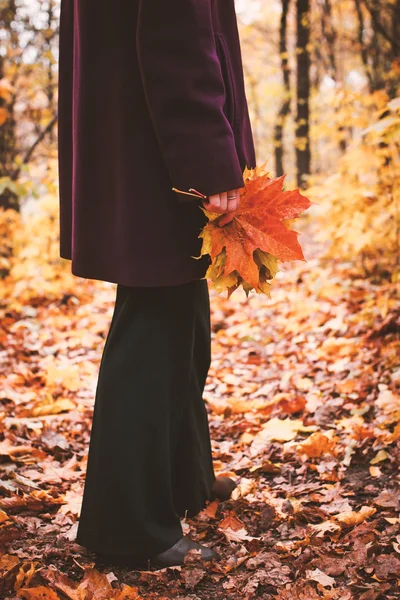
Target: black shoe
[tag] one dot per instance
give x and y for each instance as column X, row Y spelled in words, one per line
column 175, row 555
column 222, row 488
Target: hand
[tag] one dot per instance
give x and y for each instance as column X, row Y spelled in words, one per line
column 226, row 202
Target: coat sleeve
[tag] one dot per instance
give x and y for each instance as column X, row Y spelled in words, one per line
column 185, row 93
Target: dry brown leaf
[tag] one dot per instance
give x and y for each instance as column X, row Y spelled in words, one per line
column 38, row 593
column 128, row 593
column 211, row 509
column 25, row 575
column 317, row 444
column 375, row 472
column 93, row 585
column 382, row 455
column 52, row 407
column 37, row 501
column 233, row 529
column 322, row 578
column 353, row 517
column 4, row 517
column 4, row 115
column 282, row 430
column 388, row 402
column 326, row 526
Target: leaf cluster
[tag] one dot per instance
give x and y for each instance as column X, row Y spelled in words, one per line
column 246, row 251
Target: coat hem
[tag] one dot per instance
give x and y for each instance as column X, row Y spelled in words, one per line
column 131, row 282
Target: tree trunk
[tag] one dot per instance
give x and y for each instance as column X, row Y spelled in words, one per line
column 363, row 48
column 329, row 33
column 396, row 28
column 376, row 49
column 285, row 106
column 50, row 73
column 256, row 106
column 303, row 152
column 8, row 10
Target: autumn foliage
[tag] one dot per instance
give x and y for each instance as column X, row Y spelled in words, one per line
column 359, row 217
column 303, row 390
column 246, row 251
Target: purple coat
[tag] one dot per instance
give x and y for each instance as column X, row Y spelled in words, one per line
column 151, row 96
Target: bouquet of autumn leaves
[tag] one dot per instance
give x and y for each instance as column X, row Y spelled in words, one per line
column 246, row 251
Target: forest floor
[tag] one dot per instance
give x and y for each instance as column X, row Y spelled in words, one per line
column 304, row 407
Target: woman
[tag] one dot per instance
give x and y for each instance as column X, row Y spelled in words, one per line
column 151, row 97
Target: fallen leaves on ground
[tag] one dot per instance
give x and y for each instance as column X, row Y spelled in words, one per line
column 303, row 400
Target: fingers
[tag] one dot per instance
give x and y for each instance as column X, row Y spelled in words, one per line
column 211, row 207
column 225, row 219
column 233, row 200
column 225, row 202
column 219, row 201
column 214, row 201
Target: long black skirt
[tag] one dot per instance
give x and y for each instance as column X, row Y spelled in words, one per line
column 149, row 459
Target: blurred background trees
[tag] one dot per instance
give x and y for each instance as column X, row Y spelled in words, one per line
column 28, row 84
column 316, row 65
column 323, row 81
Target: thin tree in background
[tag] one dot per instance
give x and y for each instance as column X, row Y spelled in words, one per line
column 376, row 46
column 256, row 106
column 16, row 148
column 285, row 106
column 50, row 35
column 383, row 46
column 330, row 35
column 303, row 152
column 362, row 45
column 8, row 10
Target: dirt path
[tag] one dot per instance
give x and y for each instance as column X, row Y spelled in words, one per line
column 304, row 413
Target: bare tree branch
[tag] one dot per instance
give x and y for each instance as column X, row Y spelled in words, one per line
column 39, row 139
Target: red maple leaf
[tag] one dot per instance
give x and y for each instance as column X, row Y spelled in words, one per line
column 246, row 250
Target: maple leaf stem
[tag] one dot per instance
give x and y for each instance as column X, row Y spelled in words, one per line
column 189, row 193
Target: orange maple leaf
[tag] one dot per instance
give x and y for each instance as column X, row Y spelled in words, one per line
column 246, row 250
